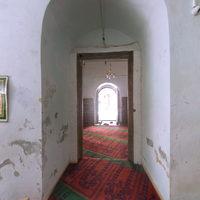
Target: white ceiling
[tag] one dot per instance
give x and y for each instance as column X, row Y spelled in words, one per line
column 79, row 17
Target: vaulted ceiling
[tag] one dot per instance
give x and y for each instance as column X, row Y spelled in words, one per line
column 77, row 18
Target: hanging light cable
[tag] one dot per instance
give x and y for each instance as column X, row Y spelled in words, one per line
column 102, row 22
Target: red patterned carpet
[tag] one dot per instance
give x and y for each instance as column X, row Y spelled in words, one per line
column 109, row 141
column 101, row 174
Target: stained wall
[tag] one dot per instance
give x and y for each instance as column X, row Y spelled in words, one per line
column 21, row 136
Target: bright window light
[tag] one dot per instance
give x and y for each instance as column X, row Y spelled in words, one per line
column 107, row 105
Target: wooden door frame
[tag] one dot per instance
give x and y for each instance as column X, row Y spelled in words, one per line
column 110, row 55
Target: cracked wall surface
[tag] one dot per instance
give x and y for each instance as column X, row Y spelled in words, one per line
column 55, row 102
column 21, row 136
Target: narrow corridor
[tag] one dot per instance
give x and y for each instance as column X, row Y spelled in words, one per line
column 104, row 172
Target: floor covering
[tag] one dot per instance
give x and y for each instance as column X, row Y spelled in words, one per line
column 104, row 173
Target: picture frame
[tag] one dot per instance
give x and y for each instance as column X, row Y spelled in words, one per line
column 3, row 98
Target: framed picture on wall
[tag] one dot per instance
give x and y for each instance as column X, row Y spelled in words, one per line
column 3, row 98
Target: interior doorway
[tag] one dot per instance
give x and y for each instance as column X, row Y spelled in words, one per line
column 106, row 96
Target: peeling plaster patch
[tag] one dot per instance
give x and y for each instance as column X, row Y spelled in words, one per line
column 6, row 163
column 149, row 142
column 21, row 160
column 47, row 121
column 45, row 160
column 27, row 124
column 38, row 188
column 56, row 115
column 1, row 178
column 159, row 161
column 44, row 139
column 54, row 173
column 163, row 154
column 26, row 198
column 50, row 92
column 16, row 173
column 185, row 101
column 28, row 147
column 62, row 134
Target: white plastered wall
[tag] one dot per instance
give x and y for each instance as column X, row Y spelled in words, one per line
column 56, row 127
column 185, row 100
column 21, row 136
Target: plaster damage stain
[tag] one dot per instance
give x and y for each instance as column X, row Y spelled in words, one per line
column 55, row 172
column 28, row 124
column 159, row 161
column 50, row 92
column 149, row 142
column 16, row 173
column 62, row 134
column 44, row 141
column 28, row 147
column 56, row 115
column 163, row 154
column 47, row 121
column 45, row 160
column 6, row 163
column 20, row 159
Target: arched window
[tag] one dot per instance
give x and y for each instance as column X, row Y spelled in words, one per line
column 107, row 103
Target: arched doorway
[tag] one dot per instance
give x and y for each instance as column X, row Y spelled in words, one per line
column 107, row 104
column 62, row 30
